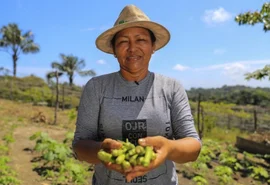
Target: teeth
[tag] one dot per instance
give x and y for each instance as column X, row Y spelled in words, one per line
column 134, row 58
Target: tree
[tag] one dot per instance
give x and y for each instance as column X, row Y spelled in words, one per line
column 252, row 18
column 259, row 74
column 14, row 42
column 71, row 64
column 55, row 74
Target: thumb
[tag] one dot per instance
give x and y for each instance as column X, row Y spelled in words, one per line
column 147, row 141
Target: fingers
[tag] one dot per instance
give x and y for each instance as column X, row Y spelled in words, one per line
column 110, row 144
column 117, row 167
column 155, row 141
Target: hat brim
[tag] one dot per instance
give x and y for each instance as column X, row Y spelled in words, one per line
column 103, row 42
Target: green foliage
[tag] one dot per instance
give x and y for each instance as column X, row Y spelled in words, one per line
column 57, row 157
column 7, row 180
column 207, row 154
column 259, row 74
column 7, row 175
column 224, row 174
column 252, row 18
column 227, row 159
column 8, row 138
column 70, row 65
column 259, row 173
column 72, row 115
column 51, row 150
column 200, row 180
column 3, row 150
column 239, row 95
column 34, row 89
column 16, row 42
column 69, row 138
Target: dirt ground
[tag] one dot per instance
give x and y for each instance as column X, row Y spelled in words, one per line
column 21, row 153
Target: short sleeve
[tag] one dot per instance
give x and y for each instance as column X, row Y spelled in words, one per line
column 88, row 113
column 181, row 117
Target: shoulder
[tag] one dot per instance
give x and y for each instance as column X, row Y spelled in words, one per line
column 101, row 79
column 167, row 82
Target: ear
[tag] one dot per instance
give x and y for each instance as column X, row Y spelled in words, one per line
column 154, row 47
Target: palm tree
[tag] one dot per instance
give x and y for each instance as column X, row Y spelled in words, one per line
column 50, row 75
column 14, row 41
column 71, row 64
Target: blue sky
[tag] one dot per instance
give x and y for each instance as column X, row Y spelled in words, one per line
column 207, row 47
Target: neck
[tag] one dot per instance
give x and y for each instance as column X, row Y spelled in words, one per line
column 134, row 76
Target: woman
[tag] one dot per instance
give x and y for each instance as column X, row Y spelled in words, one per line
column 147, row 108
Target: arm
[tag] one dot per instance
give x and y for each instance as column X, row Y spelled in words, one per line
column 184, row 150
column 87, row 150
column 85, row 143
column 187, row 144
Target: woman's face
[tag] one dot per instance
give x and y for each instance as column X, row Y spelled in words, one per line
column 133, row 49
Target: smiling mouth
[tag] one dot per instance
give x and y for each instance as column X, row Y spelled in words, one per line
column 133, row 58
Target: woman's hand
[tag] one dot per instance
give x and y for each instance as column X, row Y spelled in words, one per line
column 108, row 145
column 161, row 147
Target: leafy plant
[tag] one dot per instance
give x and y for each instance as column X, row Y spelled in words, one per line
column 229, row 160
column 224, row 174
column 7, row 175
column 259, row 173
column 61, row 168
column 51, row 150
column 9, row 138
column 200, row 180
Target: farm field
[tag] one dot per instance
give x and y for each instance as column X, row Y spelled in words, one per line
column 33, row 151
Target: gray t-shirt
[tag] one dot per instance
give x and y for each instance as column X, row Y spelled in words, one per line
column 112, row 107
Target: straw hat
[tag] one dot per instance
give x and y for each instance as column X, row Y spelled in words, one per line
column 131, row 16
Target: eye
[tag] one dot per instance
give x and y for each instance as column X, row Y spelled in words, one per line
column 121, row 42
column 141, row 40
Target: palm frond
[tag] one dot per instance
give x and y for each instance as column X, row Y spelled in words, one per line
column 87, row 73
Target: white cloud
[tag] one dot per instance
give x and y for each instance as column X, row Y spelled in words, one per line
column 234, row 69
column 249, row 65
column 102, row 62
column 219, row 15
column 179, row 67
column 219, row 51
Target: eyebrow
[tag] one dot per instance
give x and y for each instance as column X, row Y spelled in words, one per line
column 119, row 36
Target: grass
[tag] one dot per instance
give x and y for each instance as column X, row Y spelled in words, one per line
column 225, row 135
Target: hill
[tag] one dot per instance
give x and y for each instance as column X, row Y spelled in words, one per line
column 239, row 95
column 36, row 90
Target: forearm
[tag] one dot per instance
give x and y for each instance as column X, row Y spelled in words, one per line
column 184, row 150
column 87, row 150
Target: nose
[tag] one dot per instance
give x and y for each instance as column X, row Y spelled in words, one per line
column 131, row 47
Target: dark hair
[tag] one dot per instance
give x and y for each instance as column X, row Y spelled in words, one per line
column 152, row 36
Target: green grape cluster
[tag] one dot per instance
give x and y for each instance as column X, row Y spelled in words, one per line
column 128, row 155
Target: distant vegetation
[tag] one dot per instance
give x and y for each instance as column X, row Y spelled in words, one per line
column 229, row 106
column 35, row 90
column 239, row 95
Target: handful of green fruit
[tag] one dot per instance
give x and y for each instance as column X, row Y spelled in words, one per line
column 128, row 155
